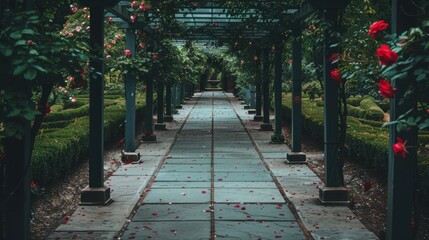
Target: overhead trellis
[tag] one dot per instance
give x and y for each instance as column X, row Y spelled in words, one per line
column 216, row 20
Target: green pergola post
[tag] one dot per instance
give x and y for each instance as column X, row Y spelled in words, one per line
column 333, row 190
column 258, row 91
column 247, row 97
column 148, row 135
column 174, row 97
column 266, row 125
column 17, row 199
column 401, row 171
column 160, row 125
column 130, row 104
column 296, row 156
column 178, row 96
column 168, row 117
column 252, row 104
column 278, row 54
column 96, row 193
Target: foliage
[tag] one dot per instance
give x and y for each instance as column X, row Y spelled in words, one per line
column 28, row 54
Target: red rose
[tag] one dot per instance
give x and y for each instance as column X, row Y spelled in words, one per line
column 376, row 28
column 386, row 56
column 386, row 89
column 336, row 75
column 399, row 148
column 127, row 52
column 154, row 56
column 255, row 58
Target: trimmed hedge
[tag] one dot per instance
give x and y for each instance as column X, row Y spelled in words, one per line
column 62, row 145
column 366, row 141
column 372, row 110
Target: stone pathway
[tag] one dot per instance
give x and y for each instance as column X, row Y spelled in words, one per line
column 213, row 174
column 213, row 185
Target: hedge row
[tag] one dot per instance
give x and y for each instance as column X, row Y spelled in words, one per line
column 366, row 140
column 63, row 142
column 359, row 107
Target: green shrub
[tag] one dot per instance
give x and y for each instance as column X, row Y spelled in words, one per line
column 354, row 101
column 372, row 110
column 355, row 111
column 68, row 114
column 57, row 150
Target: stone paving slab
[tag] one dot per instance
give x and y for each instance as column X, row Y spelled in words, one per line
column 242, row 176
column 253, row 212
column 88, row 235
column 181, row 185
column 170, row 167
column 168, row 230
column 239, row 161
column 188, row 160
column 258, row 230
column 185, row 195
column 247, row 185
column 97, row 218
column 165, row 176
column 241, row 167
column 126, row 188
column 254, row 195
column 173, row 212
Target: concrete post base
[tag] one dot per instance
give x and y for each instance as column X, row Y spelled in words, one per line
column 258, row 118
column 179, row 107
column 277, row 139
column 333, row 195
column 160, row 126
column 296, row 157
column 266, row 127
column 95, row 196
column 134, row 157
column 246, row 107
column 149, row 138
column 251, row 111
column 168, row 118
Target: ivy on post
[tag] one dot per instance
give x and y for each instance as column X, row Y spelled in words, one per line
column 148, row 135
column 266, row 125
column 160, row 125
column 401, row 169
column 296, row 156
column 168, row 117
column 129, row 154
column 96, row 193
column 258, row 103
column 278, row 136
column 333, row 190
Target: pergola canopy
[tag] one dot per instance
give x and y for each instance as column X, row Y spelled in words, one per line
column 208, row 21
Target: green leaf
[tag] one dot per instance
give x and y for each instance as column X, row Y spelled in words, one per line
column 34, row 52
column 15, row 35
column 41, row 69
column 20, row 43
column 15, row 112
column 28, row 31
column 7, row 52
column 19, row 69
column 30, row 74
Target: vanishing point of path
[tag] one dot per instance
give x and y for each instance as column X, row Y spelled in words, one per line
column 213, row 175
column 213, row 184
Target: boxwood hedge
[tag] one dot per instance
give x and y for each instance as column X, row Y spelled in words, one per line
column 63, row 139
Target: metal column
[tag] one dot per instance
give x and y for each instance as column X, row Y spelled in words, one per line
column 129, row 153
column 168, row 117
column 278, row 136
column 401, row 171
column 296, row 156
column 160, row 125
column 96, row 192
column 266, row 125
column 333, row 190
column 148, row 135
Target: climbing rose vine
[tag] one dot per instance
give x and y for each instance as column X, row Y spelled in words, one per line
column 376, row 28
column 386, row 89
column 386, row 56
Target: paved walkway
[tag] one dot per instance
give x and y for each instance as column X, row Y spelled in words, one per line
column 213, row 175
